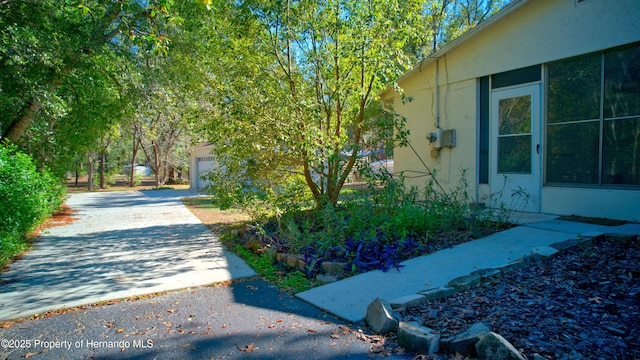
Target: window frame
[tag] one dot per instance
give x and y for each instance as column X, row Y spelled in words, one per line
column 600, row 184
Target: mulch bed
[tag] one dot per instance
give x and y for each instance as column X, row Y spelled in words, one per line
column 581, row 304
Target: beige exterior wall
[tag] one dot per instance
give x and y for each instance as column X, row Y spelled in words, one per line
column 542, row 31
column 536, row 32
column 457, row 111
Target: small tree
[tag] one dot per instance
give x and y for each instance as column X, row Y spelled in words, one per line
column 293, row 84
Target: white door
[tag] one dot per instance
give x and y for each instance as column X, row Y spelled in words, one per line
column 516, row 151
column 204, row 165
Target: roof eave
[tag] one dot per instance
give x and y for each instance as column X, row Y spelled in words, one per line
column 507, row 10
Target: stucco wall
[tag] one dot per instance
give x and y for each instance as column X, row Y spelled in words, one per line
column 457, row 108
column 537, row 32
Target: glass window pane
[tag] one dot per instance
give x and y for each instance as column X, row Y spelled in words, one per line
column 621, row 152
column 572, row 153
column 514, row 115
column 516, row 77
column 514, row 154
column 574, row 89
column 622, row 83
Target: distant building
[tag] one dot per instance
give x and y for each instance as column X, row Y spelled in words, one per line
column 201, row 161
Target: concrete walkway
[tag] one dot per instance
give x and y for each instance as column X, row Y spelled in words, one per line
column 123, row 244
column 350, row 297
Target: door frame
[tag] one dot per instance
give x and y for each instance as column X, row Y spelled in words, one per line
column 503, row 186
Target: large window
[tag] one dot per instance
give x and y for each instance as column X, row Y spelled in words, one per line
column 593, row 119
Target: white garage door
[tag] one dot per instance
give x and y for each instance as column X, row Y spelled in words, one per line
column 204, row 164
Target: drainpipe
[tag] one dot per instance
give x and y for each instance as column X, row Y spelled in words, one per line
column 437, row 95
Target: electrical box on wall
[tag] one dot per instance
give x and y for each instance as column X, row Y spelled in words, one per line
column 435, row 138
column 439, row 138
column 448, row 138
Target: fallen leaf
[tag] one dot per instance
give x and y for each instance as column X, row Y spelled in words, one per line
column 376, row 348
column 596, row 299
column 171, row 311
column 119, row 331
column 248, row 348
column 30, row 354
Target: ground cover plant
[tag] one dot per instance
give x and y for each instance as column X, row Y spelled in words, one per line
column 376, row 227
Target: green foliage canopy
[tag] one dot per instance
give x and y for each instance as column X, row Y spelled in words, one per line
column 64, row 68
column 290, row 83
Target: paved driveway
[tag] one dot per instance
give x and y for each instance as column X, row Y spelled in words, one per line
column 123, row 244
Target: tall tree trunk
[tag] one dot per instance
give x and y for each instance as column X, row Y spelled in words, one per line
column 158, row 164
column 21, row 123
column 89, row 172
column 136, row 143
column 102, row 185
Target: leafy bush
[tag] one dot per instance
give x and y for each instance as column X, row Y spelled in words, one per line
column 27, row 197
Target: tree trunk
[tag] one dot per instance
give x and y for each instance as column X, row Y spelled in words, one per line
column 89, row 172
column 102, row 185
column 132, row 181
column 20, row 125
column 158, row 164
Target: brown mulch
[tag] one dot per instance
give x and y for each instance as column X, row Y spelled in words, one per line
column 581, row 304
column 63, row 216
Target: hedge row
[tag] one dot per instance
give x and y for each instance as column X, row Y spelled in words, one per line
column 27, row 198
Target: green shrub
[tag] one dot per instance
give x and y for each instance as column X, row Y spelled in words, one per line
column 27, row 197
